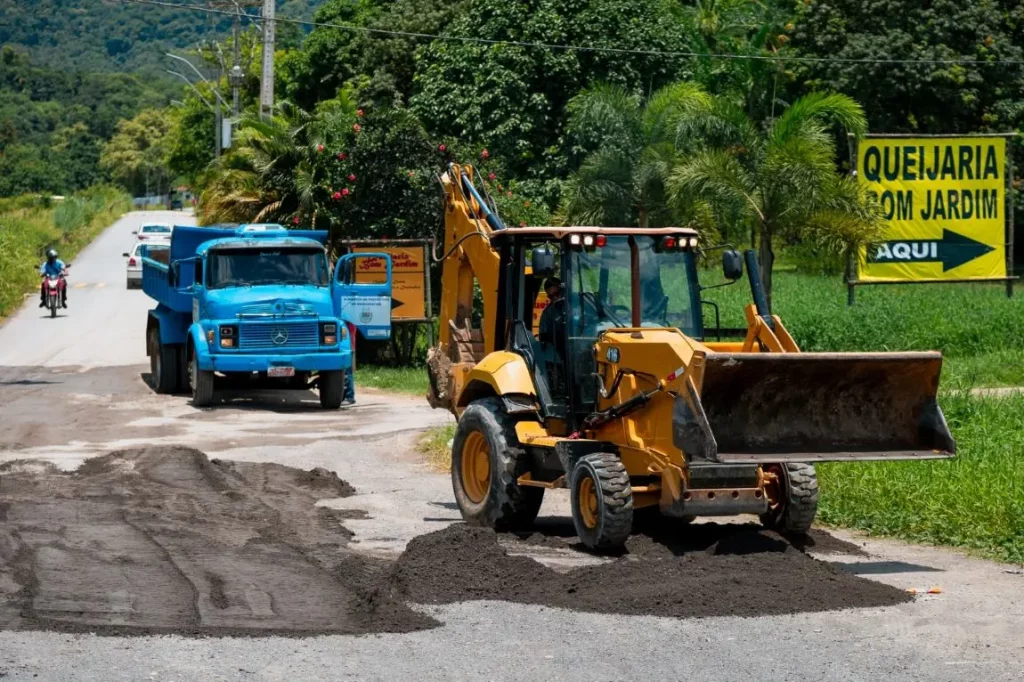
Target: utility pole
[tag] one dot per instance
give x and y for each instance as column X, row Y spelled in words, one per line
column 267, row 82
column 236, row 67
column 218, row 118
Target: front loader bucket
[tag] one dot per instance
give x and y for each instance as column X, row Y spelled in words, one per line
column 812, row 407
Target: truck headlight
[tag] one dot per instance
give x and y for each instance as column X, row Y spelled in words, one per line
column 328, row 333
column 228, row 334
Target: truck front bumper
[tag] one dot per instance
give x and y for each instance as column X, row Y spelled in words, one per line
column 249, row 362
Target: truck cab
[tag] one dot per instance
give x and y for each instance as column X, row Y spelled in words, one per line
column 257, row 306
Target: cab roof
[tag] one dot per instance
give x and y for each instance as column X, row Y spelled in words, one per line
column 560, row 232
column 258, row 243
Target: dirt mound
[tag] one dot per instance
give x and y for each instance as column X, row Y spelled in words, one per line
column 749, row 573
column 322, row 480
column 166, row 540
column 820, row 542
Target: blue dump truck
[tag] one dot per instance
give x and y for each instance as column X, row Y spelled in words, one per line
column 257, row 305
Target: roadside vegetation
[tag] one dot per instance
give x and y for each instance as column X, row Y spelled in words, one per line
column 975, row 326
column 30, row 225
column 974, row 501
column 408, row 380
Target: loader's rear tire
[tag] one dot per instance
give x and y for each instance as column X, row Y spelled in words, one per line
column 332, row 389
column 602, row 502
column 486, row 463
column 794, row 499
column 163, row 363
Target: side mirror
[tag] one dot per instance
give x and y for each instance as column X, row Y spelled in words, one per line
column 172, row 275
column 732, row 265
column 542, row 260
column 135, row 231
column 125, row 254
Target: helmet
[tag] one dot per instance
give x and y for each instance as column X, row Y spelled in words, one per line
column 51, row 255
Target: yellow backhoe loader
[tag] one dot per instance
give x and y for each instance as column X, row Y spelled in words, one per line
column 625, row 399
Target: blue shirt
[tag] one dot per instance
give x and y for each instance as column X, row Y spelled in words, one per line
column 56, row 269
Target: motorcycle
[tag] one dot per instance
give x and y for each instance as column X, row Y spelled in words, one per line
column 53, row 286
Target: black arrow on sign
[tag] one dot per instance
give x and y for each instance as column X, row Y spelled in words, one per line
column 953, row 250
column 395, row 303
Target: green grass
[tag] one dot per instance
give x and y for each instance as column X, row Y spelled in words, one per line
column 976, row 326
column 31, row 225
column 410, row 380
column 974, row 501
column 434, row 445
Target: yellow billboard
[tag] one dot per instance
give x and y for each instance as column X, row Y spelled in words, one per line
column 944, row 203
column 408, row 278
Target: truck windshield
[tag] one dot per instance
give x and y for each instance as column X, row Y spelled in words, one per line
column 603, row 292
column 254, row 267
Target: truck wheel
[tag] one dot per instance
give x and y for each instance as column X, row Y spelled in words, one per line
column 332, row 389
column 201, row 382
column 792, row 497
column 163, row 363
column 486, row 464
column 602, row 501
column 181, row 357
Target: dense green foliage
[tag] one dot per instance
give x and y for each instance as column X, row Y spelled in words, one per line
column 53, row 123
column 115, row 36
column 30, row 225
column 929, row 98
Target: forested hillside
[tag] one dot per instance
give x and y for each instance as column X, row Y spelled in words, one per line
column 101, row 35
column 53, row 123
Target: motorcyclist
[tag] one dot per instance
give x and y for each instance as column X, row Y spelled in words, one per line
column 53, row 267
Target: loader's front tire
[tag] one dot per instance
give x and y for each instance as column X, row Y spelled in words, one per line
column 602, row 502
column 794, row 499
column 486, row 465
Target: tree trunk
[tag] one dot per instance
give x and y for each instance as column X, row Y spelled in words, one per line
column 767, row 258
column 644, row 219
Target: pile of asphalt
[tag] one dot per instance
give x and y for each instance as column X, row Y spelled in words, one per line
column 744, row 571
column 165, row 540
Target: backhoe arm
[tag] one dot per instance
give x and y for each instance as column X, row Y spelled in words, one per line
column 470, row 264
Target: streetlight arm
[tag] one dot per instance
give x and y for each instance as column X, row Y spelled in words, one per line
column 194, row 88
column 201, row 76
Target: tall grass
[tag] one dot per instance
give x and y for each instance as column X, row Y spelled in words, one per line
column 411, row 380
column 30, row 225
column 964, row 321
column 975, row 500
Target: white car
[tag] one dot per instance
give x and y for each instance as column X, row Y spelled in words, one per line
column 154, row 231
column 152, row 248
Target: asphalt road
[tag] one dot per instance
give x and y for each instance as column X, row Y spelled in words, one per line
column 91, row 363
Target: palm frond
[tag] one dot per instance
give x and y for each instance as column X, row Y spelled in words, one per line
column 718, row 178
column 811, row 112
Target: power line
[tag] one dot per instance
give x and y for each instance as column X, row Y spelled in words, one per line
column 585, row 48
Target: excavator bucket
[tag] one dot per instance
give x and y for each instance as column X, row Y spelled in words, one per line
column 813, row 407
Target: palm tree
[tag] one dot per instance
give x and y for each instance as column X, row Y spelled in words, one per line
column 633, row 147
column 276, row 170
column 781, row 179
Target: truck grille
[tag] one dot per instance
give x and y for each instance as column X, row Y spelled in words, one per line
column 278, row 335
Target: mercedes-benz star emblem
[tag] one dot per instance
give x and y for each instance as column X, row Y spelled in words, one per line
column 279, row 336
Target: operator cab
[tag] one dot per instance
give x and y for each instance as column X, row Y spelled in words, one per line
column 597, row 268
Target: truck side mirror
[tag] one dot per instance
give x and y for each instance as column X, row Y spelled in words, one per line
column 542, row 261
column 732, row 265
column 125, row 254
